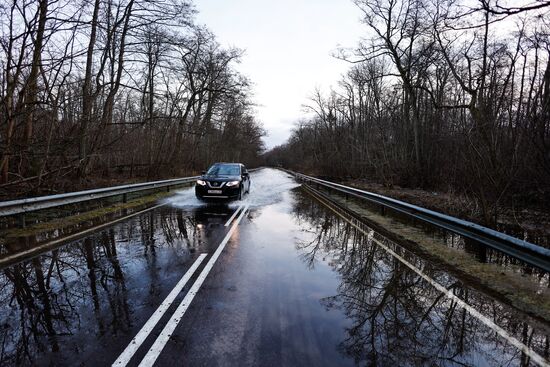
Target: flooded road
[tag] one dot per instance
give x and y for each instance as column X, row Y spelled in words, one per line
column 294, row 284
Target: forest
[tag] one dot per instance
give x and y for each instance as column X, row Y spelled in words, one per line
column 100, row 90
column 445, row 95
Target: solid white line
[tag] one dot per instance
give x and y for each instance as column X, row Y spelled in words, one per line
column 233, row 216
column 164, row 336
column 140, row 337
column 503, row 333
column 534, row 356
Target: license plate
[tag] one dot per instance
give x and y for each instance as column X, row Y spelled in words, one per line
column 214, row 191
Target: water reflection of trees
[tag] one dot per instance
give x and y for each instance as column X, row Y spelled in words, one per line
column 82, row 288
column 398, row 318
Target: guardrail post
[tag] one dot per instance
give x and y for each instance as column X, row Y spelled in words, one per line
column 22, row 220
column 530, row 253
column 168, row 188
column 124, row 198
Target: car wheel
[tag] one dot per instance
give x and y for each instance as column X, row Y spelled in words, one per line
column 241, row 194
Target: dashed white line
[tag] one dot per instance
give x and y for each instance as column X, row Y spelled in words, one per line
column 233, row 216
column 134, row 345
column 164, row 336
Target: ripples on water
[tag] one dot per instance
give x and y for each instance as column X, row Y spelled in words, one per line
column 267, row 187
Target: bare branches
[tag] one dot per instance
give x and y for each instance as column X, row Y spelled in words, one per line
column 440, row 95
column 498, row 9
column 97, row 81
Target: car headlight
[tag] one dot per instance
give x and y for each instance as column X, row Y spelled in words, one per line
column 232, row 183
column 201, row 182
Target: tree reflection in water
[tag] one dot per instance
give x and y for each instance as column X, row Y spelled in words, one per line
column 397, row 317
column 69, row 298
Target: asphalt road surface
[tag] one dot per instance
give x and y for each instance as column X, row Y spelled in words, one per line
column 287, row 282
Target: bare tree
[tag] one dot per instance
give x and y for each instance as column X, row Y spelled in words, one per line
column 130, row 87
column 442, row 94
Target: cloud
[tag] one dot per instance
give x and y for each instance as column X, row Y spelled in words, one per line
column 288, row 46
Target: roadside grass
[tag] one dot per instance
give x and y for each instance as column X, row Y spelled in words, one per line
column 529, row 293
column 76, row 220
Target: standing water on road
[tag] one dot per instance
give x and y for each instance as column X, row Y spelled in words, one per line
column 295, row 285
column 267, row 187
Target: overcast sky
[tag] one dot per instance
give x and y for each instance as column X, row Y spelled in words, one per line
column 288, row 46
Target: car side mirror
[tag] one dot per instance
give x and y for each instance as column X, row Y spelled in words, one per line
column 203, row 172
column 245, row 174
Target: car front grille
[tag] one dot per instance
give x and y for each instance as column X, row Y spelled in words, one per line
column 215, row 185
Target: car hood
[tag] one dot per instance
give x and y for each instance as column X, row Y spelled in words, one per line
column 220, row 178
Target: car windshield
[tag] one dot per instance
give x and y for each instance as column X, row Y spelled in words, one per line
column 224, row 170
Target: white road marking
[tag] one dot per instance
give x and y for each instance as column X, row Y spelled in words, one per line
column 140, row 337
column 484, row 319
column 534, row 356
column 233, row 216
column 166, row 333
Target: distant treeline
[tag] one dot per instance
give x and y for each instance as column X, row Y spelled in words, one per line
column 446, row 95
column 98, row 87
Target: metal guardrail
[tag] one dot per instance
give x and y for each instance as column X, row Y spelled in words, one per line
column 22, row 206
column 527, row 252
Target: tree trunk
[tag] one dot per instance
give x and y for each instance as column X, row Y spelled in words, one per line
column 87, row 95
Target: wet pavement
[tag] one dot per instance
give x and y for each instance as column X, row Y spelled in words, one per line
column 295, row 285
